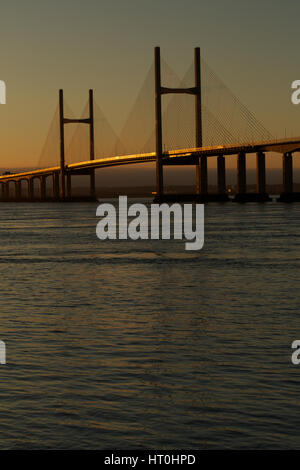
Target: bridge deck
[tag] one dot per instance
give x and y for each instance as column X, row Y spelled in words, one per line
column 183, row 155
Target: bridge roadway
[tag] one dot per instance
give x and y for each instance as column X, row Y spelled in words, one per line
column 278, row 146
column 188, row 156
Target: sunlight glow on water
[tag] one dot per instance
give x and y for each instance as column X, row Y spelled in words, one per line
column 140, row 344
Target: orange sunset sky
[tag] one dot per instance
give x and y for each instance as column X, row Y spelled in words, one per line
column 108, row 46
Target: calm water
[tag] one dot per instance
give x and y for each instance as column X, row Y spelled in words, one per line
column 142, row 345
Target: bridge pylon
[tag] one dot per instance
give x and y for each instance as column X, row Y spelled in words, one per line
column 201, row 161
column 66, row 189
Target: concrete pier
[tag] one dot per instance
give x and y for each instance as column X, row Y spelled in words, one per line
column 203, row 183
column 241, row 178
column 261, row 194
column 221, row 175
column 203, row 195
column 4, row 191
column 30, row 189
column 241, row 173
column 55, row 186
column 287, row 180
column 92, row 185
column 69, row 186
column 43, row 188
column 18, row 190
column 287, row 172
column 260, row 173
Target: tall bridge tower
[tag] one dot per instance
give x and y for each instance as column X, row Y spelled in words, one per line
column 65, row 176
column 201, row 161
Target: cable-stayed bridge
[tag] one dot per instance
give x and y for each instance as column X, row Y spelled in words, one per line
column 198, row 118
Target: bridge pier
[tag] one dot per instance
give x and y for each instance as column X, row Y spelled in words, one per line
column 241, row 178
column 62, row 185
column 201, row 178
column 287, row 176
column 241, row 173
column 69, row 185
column 55, row 186
column 30, row 189
column 261, row 195
column 221, row 195
column 43, row 188
column 287, row 172
column 92, row 185
column 261, row 172
column 4, row 191
column 221, row 174
column 202, row 181
column 26, row 195
column 18, row 190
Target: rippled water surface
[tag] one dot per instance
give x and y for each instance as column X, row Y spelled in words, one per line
column 143, row 345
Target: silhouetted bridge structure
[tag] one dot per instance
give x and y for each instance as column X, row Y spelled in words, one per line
column 61, row 175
